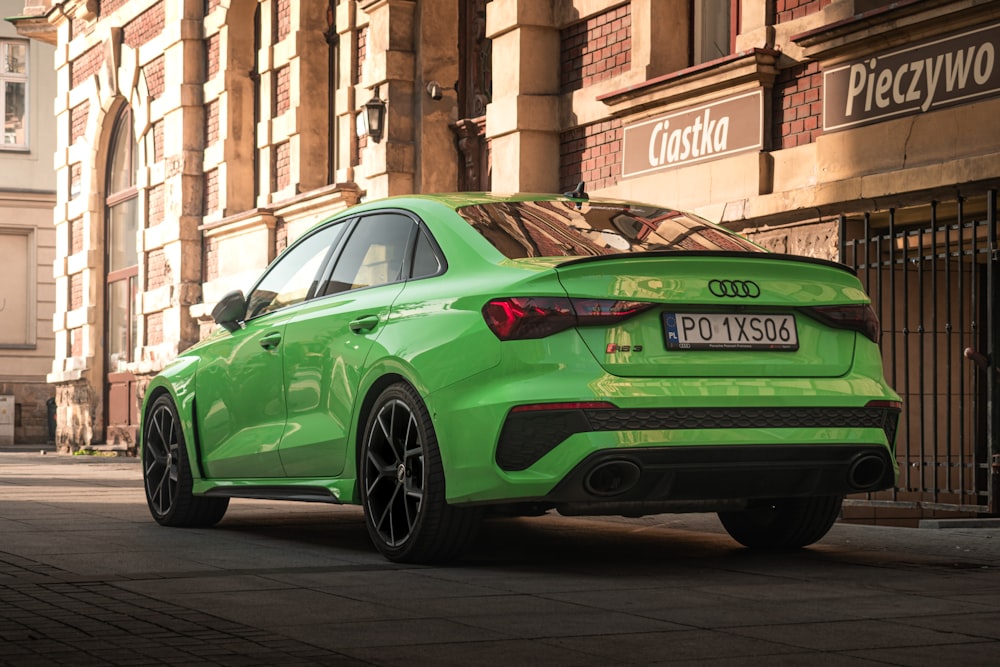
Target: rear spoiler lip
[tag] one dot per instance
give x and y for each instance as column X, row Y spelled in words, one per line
column 709, row 253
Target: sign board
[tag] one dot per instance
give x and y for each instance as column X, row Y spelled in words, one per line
column 697, row 134
column 911, row 80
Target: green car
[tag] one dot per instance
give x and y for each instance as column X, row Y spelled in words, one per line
column 437, row 358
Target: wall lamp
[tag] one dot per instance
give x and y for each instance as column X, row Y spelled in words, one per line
column 373, row 117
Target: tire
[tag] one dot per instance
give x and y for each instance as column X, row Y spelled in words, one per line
column 166, row 472
column 784, row 523
column 403, row 485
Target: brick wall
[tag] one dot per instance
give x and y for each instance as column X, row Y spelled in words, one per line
column 78, row 121
column 86, row 65
column 157, row 141
column 158, row 272
column 798, row 107
column 75, row 236
column 210, row 259
column 107, row 7
column 144, row 27
column 592, row 154
column 787, row 10
column 282, row 90
column 211, row 122
column 76, row 342
column 280, row 236
column 362, row 54
column 212, row 56
column 155, row 80
column 596, row 49
column 282, row 176
column 76, row 291
column 154, row 205
column 282, row 19
column 211, row 195
column 154, row 328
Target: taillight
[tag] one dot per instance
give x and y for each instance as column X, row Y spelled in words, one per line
column 525, row 317
column 859, row 317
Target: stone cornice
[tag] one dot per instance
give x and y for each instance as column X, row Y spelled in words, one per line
column 897, row 24
column 748, row 69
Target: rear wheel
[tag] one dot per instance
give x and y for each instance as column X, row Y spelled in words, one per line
column 166, row 472
column 403, row 485
column 783, row 523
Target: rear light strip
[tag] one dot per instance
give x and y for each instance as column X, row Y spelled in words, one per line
column 858, row 317
column 527, row 317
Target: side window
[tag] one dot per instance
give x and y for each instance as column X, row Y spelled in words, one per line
column 425, row 261
column 290, row 280
column 374, row 254
column 14, row 92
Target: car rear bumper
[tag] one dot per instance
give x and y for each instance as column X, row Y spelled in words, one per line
column 662, row 479
column 528, row 436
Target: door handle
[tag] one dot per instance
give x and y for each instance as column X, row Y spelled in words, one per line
column 270, row 341
column 366, row 323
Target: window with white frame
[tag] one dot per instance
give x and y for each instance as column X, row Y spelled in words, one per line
column 14, row 93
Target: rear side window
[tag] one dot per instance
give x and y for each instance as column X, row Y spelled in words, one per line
column 568, row 229
column 375, row 253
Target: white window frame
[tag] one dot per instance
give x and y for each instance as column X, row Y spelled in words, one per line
column 10, row 77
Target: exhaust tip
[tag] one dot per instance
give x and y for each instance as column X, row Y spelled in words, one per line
column 866, row 472
column 611, row 478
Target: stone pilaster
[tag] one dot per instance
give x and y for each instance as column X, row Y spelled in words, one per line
column 389, row 165
column 522, row 122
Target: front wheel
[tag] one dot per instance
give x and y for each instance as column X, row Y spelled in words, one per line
column 783, row 523
column 403, row 485
column 166, row 472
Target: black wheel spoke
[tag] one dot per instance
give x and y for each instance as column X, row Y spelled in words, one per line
column 393, row 463
column 161, row 451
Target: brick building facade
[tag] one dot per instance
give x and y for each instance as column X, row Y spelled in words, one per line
column 202, row 136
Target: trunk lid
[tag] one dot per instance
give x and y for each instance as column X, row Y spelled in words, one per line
column 717, row 314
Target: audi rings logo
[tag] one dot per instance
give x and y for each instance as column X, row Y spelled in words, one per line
column 734, row 288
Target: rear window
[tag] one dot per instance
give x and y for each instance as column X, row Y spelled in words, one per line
column 561, row 229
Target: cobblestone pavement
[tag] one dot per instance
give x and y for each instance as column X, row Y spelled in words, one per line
column 87, row 578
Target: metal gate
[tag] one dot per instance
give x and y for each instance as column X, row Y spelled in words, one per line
column 932, row 273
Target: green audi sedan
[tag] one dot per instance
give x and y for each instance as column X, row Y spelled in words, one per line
column 438, row 358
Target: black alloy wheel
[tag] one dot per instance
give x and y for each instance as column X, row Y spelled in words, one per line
column 402, row 484
column 166, row 472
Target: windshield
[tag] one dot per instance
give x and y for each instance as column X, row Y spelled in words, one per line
column 570, row 229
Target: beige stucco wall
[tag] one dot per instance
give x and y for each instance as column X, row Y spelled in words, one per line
column 27, row 197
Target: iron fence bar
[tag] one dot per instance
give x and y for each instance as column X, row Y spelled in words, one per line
column 992, row 349
column 975, row 315
column 961, row 366
column 947, row 347
column 935, row 387
column 904, row 236
column 892, row 290
column 921, row 380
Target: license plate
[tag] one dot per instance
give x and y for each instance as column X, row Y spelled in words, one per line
column 730, row 331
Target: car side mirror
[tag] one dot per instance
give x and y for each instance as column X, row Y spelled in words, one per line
column 230, row 311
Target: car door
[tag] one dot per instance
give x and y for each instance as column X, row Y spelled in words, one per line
column 329, row 339
column 240, row 395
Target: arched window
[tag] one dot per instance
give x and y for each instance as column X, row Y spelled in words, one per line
column 121, row 215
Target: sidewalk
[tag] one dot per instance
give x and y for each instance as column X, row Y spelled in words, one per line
column 87, row 578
